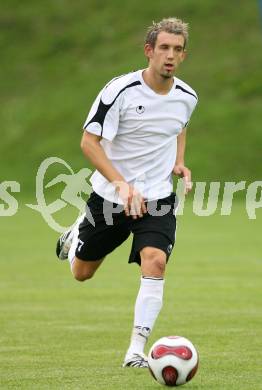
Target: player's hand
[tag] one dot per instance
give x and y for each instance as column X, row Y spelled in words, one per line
column 182, row 171
column 134, row 203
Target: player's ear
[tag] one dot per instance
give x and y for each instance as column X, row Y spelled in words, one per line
column 184, row 54
column 148, row 50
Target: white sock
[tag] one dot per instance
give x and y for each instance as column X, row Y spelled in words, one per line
column 148, row 305
column 74, row 233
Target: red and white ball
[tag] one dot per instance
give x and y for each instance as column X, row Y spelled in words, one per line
column 173, row 360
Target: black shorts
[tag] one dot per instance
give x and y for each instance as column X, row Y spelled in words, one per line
column 156, row 228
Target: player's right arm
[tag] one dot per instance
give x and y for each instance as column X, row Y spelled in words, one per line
column 103, row 122
column 133, row 201
column 94, row 152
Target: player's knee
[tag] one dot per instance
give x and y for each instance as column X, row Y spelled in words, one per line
column 158, row 266
column 81, row 276
column 153, row 261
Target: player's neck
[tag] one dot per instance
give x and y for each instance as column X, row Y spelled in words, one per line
column 156, row 82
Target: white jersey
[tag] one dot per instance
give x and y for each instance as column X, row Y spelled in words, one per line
column 139, row 129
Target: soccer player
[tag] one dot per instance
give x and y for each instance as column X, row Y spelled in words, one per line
column 135, row 136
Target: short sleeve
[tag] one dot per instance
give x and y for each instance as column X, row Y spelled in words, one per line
column 194, row 101
column 103, row 118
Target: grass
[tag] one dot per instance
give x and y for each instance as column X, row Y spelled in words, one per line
column 60, row 334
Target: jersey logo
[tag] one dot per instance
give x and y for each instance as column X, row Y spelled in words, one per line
column 140, row 109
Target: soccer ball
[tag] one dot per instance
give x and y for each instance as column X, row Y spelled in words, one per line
column 173, row 360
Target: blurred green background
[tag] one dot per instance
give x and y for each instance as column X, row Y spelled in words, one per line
column 57, row 54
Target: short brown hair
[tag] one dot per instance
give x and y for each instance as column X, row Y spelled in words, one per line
column 170, row 25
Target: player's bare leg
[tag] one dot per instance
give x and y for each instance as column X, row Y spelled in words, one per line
column 66, row 247
column 148, row 304
column 153, row 262
column 83, row 270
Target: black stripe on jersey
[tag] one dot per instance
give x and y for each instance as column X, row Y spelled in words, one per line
column 103, row 108
column 186, row 91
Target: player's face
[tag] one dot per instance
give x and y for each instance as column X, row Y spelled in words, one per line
column 167, row 54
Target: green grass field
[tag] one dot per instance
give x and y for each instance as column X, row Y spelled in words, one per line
column 57, row 333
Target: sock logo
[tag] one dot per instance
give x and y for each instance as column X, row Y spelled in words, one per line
column 145, row 331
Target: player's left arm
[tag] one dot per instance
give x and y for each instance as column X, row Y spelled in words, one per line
column 180, row 169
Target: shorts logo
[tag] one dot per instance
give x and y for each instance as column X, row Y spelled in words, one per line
column 79, row 245
column 169, row 248
column 140, row 109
